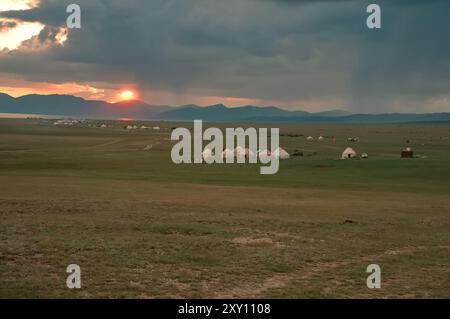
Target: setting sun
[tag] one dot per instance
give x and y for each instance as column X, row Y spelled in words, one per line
column 126, row 95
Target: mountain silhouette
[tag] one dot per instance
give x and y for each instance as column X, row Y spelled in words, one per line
column 70, row 106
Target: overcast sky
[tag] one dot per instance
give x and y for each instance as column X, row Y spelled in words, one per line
column 296, row 54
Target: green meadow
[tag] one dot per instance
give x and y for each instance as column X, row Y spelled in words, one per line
column 140, row 226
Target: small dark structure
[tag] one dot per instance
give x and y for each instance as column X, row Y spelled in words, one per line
column 407, row 153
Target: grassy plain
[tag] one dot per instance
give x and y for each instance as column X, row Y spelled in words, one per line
column 141, row 226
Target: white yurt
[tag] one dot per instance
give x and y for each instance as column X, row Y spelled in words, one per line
column 310, row 138
column 348, row 153
column 321, row 138
column 207, row 154
column 239, row 151
column 156, row 128
column 264, row 154
column 281, row 153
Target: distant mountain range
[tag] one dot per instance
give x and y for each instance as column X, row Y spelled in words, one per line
column 71, row 106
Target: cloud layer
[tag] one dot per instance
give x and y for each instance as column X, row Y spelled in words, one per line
column 305, row 54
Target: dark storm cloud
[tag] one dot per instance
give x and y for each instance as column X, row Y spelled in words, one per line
column 268, row 49
column 6, row 25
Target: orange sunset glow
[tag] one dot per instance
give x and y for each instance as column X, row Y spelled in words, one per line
column 11, row 38
column 127, row 95
column 17, row 4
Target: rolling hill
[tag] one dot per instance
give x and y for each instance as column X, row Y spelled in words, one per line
column 71, row 106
